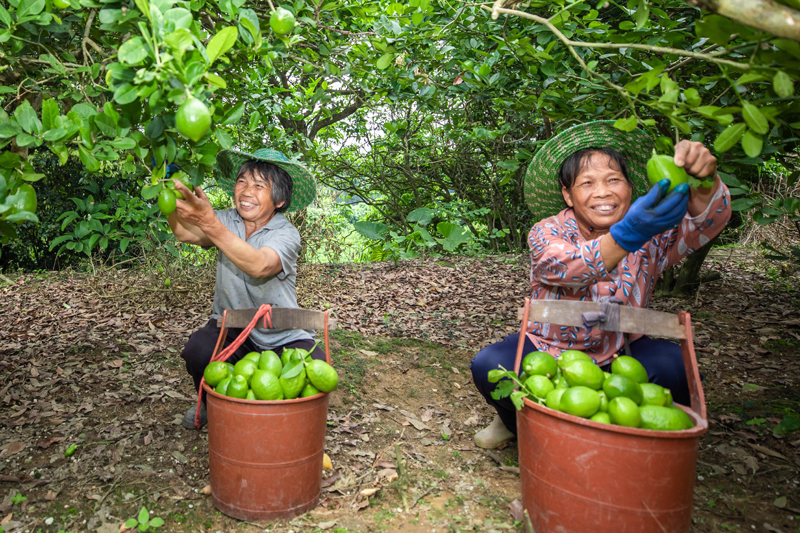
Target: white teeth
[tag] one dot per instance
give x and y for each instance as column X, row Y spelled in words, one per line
column 604, row 208
column 246, row 204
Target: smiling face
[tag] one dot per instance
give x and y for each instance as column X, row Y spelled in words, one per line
column 600, row 195
column 252, row 197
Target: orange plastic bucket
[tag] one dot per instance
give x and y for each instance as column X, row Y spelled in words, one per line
column 582, row 476
column 265, row 457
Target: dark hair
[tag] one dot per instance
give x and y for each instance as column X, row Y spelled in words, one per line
column 279, row 180
column 577, row 161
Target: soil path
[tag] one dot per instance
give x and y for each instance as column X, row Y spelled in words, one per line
column 93, row 361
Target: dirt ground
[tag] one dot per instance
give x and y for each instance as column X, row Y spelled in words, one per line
column 93, row 360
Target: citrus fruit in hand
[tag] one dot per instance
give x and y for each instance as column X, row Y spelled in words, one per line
column 629, row 367
column 617, row 385
column 293, row 386
column 583, row 373
column 580, row 401
column 270, row 361
column 322, row 375
column 193, row 119
column 215, row 372
column 26, row 202
column 253, row 356
column 539, row 386
column 222, row 388
column 266, row 386
column 166, row 201
column 540, row 363
column 281, row 21
column 237, row 388
column 245, row 368
column 663, row 166
column 568, row 356
column 624, row 412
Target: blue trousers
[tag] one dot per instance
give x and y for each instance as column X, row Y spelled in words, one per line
column 662, row 359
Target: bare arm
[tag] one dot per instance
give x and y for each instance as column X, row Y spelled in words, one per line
column 196, row 221
column 611, row 252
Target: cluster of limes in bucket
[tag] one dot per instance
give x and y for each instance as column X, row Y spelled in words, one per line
column 575, row 385
column 265, row 376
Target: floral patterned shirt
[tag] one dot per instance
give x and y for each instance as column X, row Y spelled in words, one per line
column 564, row 265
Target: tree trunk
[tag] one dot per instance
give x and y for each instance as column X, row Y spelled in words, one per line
column 683, row 280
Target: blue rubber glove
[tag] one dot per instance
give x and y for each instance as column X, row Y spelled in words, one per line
column 650, row 216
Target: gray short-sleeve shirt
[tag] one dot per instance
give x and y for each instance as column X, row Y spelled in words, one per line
column 236, row 290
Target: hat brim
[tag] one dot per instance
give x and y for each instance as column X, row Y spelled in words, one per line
column 304, row 188
column 542, row 189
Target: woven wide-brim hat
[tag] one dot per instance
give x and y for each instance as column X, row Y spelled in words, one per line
column 542, row 189
column 303, row 186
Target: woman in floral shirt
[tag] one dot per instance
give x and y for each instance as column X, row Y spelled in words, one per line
column 603, row 246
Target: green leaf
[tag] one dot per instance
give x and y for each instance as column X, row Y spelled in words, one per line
column 54, row 135
column 371, row 230
column 743, row 204
column 133, row 51
column 642, row 14
column 5, row 16
column 503, row 389
column 496, row 375
column 717, row 28
column 454, row 235
column 88, row 160
column 754, row 118
column 750, row 77
column 385, row 60
column 234, row 115
column 26, row 117
column 124, row 143
column 179, row 40
column 421, row 216
column 181, row 17
column 24, row 140
column 223, row 138
column 782, row 84
column 292, row 369
column 729, row 137
column 156, row 522
column 125, row 94
column 221, row 43
column 144, row 7
column 692, row 97
column 215, row 80
column 150, row 191
column 49, row 114
column 517, row 398
column 29, row 7
column 23, row 216
column 144, row 516
column 9, row 129
column 710, row 112
column 627, row 124
column 752, row 143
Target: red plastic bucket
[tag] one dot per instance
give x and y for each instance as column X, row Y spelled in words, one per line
column 265, row 457
column 582, row 476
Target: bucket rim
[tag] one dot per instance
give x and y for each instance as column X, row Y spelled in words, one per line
column 700, row 428
column 219, row 396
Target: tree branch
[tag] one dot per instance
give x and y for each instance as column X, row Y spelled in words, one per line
column 765, row 15
column 336, row 117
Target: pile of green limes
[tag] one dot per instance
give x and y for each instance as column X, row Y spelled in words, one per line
column 575, row 385
column 265, row 376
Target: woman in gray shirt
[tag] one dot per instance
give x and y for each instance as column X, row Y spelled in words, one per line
column 258, row 248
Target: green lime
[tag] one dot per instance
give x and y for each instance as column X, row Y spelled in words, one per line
column 618, row 385
column 601, row 417
column 568, row 356
column 583, row 373
column 606, row 375
column 230, row 367
column 266, row 386
column 269, row 360
column 662, row 166
column 253, row 356
column 539, row 386
column 523, row 377
column 661, row 418
column 484, row 70
column 580, row 401
column 629, row 367
column 289, row 354
column 322, row 375
column 167, row 283
column 166, row 201
column 624, row 412
column 215, row 372
column 540, row 364
column 222, row 388
column 250, row 395
column 468, row 64
column 193, row 119
column 292, row 387
column 685, row 418
column 26, row 202
column 603, row 402
column 668, row 398
column 560, row 383
column 308, row 68
column 553, row 400
column 61, row 4
column 281, row 21
column 245, row 368
column 653, row 394
column 309, row 390
column 237, row 388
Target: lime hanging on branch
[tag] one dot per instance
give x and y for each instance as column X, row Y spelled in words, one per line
column 282, row 21
column 193, row 119
column 61, row 4
column 166, row 201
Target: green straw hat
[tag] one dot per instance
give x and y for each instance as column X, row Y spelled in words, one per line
column 542, row 189
column 230, row 161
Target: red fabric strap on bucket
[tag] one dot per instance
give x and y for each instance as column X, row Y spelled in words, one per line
column 264, row 311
